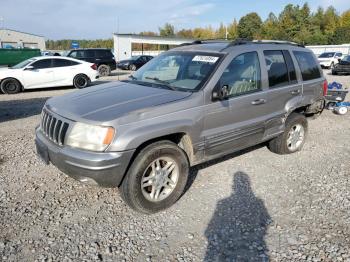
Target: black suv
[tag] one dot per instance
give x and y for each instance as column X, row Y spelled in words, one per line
column 103, row 58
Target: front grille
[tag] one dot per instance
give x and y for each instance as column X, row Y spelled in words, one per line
column 53, row 128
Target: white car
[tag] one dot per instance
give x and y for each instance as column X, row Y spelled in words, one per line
column 47, row 71
column 329, row 59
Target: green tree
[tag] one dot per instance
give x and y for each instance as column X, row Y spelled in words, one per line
column 249, row 26
column 167, row 30
column 233, row 29
column 270, row 28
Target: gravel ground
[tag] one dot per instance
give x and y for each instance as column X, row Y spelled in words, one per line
column 249, row 206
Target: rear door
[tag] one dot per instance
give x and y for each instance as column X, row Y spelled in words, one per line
column 41, row 75
column 64, row 71
column 284, row 91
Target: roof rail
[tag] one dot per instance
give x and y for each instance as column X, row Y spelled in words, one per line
column 205, row 41
column 243, row 41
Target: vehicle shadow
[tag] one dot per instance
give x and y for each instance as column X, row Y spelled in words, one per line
column 238, row 227
column 119, row 73
column 17, row 109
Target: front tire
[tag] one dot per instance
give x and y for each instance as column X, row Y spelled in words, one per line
column 10, row 86
column 332, row 65
column 293, row 138
column 156, row 179
column 81, row 81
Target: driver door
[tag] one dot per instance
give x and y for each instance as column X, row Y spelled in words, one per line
column 238, row 121
column 41, row 75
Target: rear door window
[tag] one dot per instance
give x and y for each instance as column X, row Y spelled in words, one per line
column 290, row 66
column 61, row 63
column 89, row 53
column 307, row 64
column 277, row 68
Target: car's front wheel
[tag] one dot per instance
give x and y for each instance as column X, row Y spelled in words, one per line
column 81, row 81
column 10, row 86
column 294, row 136
column 156, row 179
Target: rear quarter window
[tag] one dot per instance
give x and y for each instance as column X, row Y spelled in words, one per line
column 308, row 65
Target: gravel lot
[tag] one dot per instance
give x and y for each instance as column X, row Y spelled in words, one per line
column 250, row 206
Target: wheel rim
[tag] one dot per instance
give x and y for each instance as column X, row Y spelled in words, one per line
column 11, row 86
column 295, row 137
column 81, row 82
column 103, row 70
column 342, row 110
column 133, row 67
column 160, row 179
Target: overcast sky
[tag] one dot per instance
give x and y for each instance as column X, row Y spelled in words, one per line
column 90, row 19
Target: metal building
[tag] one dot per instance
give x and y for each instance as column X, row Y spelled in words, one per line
column 123, row 44
column 319, row 49
column 16, row 39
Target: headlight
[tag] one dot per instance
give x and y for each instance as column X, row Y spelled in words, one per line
column 89, row 137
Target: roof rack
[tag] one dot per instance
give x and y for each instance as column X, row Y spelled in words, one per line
column 243, row 41
column 205, row 41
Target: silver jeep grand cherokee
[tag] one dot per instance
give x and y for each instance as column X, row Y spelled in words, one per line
column 189, row 105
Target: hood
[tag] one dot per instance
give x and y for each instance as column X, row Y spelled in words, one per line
column 8, row 72
column 107, row 102
column 343, row 62
column 325, row 59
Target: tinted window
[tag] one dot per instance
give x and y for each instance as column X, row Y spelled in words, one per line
column 103, row 53
column 243, row 74
column 41, row 64
column 290, row 66
column 77, row 54
column 308, row 66
column 277, row 68
column 61, row 62
column 89, row 53
column 339, row 54
column 327, row 55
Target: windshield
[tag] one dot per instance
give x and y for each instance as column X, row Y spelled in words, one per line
column 184, row 71
column 327, row 55
column 134, row 57
column 23, row 64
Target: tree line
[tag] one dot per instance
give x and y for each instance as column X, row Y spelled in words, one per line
column 295, row 23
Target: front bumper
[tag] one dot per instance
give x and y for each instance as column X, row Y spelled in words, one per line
column 325, row 63
column 105, row 169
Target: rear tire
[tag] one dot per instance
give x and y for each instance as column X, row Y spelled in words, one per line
column 104, row 70
column 293, row 138
column 10, row 86
column 81, row 81
column 156, row 179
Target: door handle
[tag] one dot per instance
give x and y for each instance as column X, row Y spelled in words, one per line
column 258, row 102
column 295, row 92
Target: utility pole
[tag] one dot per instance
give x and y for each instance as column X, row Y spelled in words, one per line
column 1, row 22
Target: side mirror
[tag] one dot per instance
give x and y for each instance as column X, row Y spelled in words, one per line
column 221, row 93
column 29, row 68
column 339, row 59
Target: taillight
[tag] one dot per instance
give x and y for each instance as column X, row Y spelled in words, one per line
column 325, row 87
column 94, row 67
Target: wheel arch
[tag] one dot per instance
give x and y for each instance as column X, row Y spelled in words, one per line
column 19, row 81
column 182, row 139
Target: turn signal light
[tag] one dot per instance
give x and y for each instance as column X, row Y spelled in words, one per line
column 325, row 87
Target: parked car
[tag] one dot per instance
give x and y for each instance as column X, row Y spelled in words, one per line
column 329, row 59
column 134, row 62
column 103, row 58
column 186, row 106
column 47, row 71
column 343, row 67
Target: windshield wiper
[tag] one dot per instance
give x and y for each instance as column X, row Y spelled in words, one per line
column 165, row 83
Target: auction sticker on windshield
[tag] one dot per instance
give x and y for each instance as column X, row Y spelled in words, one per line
column 205, row 58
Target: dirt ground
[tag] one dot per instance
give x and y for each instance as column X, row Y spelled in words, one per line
column 252, row 206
